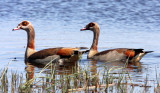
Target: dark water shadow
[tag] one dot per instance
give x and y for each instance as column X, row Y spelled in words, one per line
column 66, row 68
column 128, row 65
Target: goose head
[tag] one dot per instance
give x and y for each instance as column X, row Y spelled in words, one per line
column 24, row 25
column 91, row 26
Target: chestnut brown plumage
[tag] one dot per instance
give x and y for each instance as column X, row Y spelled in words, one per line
column 119, row 54
column 44, row 56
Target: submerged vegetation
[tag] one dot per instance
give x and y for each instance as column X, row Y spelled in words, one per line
column 54, row 78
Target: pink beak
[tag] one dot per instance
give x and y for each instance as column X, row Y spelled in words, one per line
column 17, row 28
column 83, row 29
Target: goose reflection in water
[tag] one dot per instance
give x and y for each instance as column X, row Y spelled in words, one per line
column 97, row 68
column 59, row 69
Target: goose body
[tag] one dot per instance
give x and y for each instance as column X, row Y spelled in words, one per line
column 59, row 54
column 53, row 54
column 119, row 54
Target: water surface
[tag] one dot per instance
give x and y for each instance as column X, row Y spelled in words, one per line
column 123, row 23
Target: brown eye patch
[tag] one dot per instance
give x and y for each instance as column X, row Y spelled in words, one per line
column 91, row 24
column 25, row 23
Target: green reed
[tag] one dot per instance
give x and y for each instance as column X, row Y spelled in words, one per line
column 79, row 79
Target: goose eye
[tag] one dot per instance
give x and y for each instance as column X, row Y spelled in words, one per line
column 24, row 23
column 91, row 24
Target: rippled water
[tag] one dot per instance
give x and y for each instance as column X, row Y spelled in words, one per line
column 123, row 23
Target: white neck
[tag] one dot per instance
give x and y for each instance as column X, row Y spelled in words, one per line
column 92, row 53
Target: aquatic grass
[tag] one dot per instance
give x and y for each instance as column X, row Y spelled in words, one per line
column 4, row 80
column 86, row 82
column 79, row 80
column 29, row 82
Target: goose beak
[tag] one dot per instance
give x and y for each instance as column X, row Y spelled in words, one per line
column 83, row 29
column 17, row 28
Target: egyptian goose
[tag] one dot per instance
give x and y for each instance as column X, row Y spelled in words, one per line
column 59, row 54
column 119, row 54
